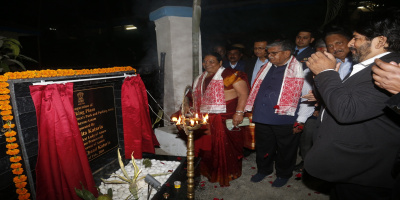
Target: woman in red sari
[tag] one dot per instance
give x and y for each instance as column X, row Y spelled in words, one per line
column 222, row 93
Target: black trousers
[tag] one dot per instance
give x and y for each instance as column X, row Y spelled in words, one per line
column 276, row 143
column 348, row 191
column 306, row 138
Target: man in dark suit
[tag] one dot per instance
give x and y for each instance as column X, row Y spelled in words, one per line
column 358, row 138
column 251, row 69
column 234, row 61
column 303, row 49
column 254, row 65
column 387, row 76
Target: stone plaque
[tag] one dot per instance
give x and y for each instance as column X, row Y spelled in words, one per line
column 94, row 108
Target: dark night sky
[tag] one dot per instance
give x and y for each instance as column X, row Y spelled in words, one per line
column 89, row 33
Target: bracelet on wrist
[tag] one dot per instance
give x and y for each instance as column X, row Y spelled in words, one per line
column 239, row 111
column 239, row 114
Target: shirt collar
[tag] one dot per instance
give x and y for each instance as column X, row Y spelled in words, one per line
column 345, row 60
column 301, row 50
column 371, row 60
column 360, row 66
column 258, row 60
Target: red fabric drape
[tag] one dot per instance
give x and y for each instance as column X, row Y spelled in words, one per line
column 62, row 163
column 138, row 134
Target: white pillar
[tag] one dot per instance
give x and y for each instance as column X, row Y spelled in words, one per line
column 174, row 37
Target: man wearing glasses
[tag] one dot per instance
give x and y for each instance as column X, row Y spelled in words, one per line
column 254, row 65
column 278, row 113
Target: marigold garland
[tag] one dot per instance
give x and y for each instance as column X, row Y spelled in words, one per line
column 10, row 133
column 16, row 165
column 11, row 139
column 20, row 184
column 12, row 152
column 24, row 196
column 21, row 178
column 15, row 159
column 4, row 97
column 6, row 113
column 8, row 118
column 12, row 146
column 8, row 125
column 18, row 171
column 22, row 191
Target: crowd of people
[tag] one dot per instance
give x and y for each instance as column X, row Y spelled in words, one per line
column 335, row 103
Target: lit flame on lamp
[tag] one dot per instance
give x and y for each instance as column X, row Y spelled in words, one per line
column 196, row 120
column 205, row 118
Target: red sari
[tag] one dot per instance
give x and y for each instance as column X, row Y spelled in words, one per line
column 221, row 151
column 222, row 162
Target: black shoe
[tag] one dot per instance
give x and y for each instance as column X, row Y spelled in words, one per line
column 279, row 182
column 299, row 167
column 258, row 177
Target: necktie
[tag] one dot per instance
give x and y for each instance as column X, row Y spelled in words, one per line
column 295, row 53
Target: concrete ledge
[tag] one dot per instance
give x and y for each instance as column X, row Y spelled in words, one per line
column 178, row 11
column 169, row 143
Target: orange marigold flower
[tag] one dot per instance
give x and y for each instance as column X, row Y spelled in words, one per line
column 4, row 97
column 20, row 184
column 3, row 78
column 5, row 112
column 10, row 133
column 4, row 102
column 5, row 107
column 16, row 165
column 33, row 74
column 4, row 84
column 8, row 125
column 4, row 91
column 18, row 75
column 37, row 74
column 15, row 159
column 11, row 139
column 24, row 196
column 22, row 191
column 9, row 75
column 12, row 146
column 8, row 118
column 24, row 74
column 12, row 152
column 18, row 171
column 20, row 178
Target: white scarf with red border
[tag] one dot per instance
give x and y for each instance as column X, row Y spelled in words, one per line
column 290, row 90
column 212, row 98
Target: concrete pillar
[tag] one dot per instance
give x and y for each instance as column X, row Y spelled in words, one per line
column 174, row 37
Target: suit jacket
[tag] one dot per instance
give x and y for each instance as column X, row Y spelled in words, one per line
column 248, row 69
column 394, row 104
column 240, row 65
column 303, row 56
column 359, row 136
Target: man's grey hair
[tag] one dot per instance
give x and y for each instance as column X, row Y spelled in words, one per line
column 285, row 45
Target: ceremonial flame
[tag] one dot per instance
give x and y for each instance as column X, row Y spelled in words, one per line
column 179, row 121
column 205, row 118
column 174, row 119
column 191, row 122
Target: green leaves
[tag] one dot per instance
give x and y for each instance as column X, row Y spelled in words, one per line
column 12, row 45
column 84, row 194
column 10, row 54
